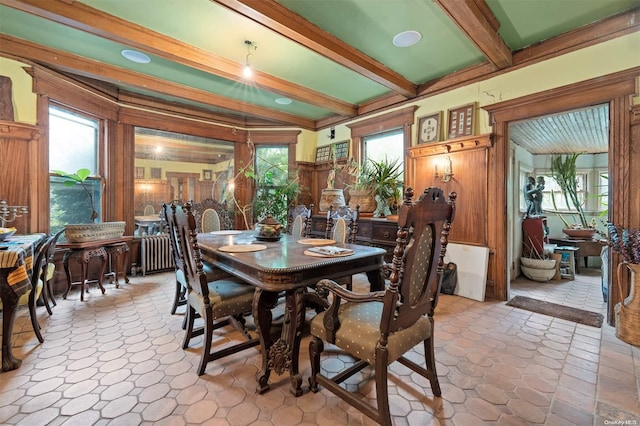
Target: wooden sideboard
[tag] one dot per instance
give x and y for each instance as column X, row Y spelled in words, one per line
column 377, row 232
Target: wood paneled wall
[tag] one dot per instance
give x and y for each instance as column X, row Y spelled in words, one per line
column 19, row 150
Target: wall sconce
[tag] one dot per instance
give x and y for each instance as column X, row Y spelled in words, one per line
column 447, row 170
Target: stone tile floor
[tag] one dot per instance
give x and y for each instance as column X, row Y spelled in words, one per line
column 116, row 359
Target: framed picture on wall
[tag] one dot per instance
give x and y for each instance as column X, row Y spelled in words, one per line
column 341, row 150
column 429, row 128
column 207, row 174
column 156, row 173
column 323, row 153
column 139, row 172
column 461, row 121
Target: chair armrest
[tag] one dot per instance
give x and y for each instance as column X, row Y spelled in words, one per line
column 331, row 321
column 349, row 296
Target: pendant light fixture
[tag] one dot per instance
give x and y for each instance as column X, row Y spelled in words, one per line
column 247, row 71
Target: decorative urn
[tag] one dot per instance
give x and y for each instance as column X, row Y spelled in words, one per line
column 268, row 229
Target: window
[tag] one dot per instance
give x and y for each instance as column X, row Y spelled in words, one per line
column 73, row 145
column 389, row 145
column 553, row 192
column 602, row 191
column 275, row 190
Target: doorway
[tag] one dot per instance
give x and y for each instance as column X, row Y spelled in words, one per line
column 534, row 142
column 614, row 90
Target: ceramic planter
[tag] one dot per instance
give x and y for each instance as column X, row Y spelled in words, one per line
column 84, row 232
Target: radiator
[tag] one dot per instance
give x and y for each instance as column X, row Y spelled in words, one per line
column 155, row 254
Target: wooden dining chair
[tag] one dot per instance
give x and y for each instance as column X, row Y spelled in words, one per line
column 212, row 273
column 378, row 328
column 342, row 227
column 219, row 303
column 211, row 215
column 342, row 224
column 39, row 265
column 49, row 269
column 299, row 220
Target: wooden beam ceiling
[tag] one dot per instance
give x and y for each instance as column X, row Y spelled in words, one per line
column 477, row 21
column 93, row 21
column 276, row 17
column 93, row 69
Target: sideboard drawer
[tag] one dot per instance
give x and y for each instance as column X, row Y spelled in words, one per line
column 384, row 231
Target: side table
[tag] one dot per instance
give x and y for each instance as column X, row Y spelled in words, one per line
column 567, row 261
column 83, row 253
column 119, row 267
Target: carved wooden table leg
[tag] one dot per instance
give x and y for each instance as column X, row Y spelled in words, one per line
column 9, row 304
column 263, row 302
column 121, row 253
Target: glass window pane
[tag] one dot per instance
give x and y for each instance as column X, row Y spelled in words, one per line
column 275, row 191
column 389, row 145
column 70, row 132
column 72, row 204
column 73, row 145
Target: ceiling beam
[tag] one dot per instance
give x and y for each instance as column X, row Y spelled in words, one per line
column 76, row 64
column 276, row 17
column 475, row 19
column 93, row 21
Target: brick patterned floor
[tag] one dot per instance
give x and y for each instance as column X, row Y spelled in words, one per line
column 116, row 359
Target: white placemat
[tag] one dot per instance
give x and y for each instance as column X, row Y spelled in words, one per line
column 225, row 232
column 316, row 241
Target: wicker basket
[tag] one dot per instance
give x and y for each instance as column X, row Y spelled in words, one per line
column 82, row 233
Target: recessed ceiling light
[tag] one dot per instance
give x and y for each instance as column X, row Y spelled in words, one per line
column 135, row 56
column 406, row 38
column 283, row 101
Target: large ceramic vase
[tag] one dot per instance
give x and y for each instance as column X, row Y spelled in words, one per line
column 85, row 232
column 627, row 312
column 331, row 196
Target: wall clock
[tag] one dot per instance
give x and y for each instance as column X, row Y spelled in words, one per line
column 429, row 128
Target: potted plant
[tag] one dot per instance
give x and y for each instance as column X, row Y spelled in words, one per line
column 92, row 231
column 564, row 172
column 386, row 185
column 273, row 196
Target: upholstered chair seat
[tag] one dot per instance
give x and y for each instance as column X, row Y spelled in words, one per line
column 359, row 332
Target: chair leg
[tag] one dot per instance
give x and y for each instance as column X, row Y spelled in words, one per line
column 32, row 314
column 208, row 337
column 430, row 360
column 44, row 298
column 190, row 317
column 382, row 389
column 179, row 297
column 316, row 346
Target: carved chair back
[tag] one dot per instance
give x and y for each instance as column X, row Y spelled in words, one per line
column 342, row 224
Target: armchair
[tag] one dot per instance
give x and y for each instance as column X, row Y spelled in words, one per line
column 379, row 328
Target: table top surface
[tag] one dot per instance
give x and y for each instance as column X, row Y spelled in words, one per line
column 150, row 218
column 283, row 263
column 92, row 244
column 16, row 247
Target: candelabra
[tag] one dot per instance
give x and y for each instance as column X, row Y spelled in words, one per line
column 10, row 213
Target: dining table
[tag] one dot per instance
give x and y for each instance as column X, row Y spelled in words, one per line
column 16, row 267
column 288, row 265
column 146, row 224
